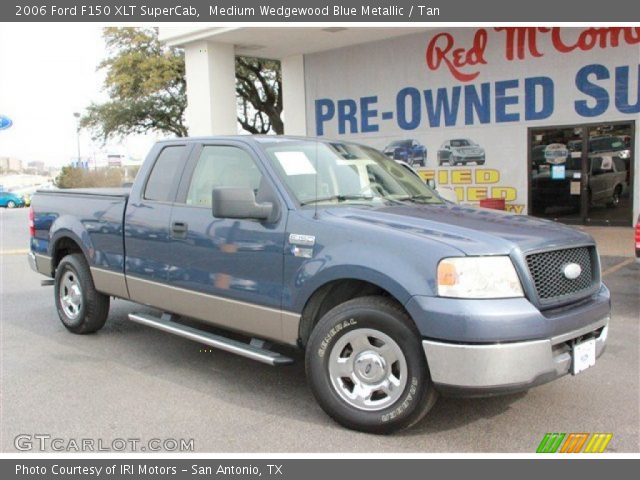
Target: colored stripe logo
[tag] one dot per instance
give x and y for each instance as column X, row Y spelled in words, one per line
column 574, row 442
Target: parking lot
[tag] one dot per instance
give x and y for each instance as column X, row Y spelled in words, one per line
column 129, row 381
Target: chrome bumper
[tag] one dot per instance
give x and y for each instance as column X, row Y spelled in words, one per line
column 499, row 368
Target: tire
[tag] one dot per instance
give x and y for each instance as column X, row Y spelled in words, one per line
column 85, row 310
column 346, row 332
column 11, row 204
column 615, row 199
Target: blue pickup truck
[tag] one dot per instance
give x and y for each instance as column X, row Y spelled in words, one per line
column 258, row 244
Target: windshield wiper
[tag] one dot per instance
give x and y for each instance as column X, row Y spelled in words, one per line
column 417, row 198
column 337, row 198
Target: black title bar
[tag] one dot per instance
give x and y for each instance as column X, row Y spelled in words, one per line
column 437, row 11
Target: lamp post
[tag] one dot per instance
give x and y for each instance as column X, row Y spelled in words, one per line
column 77, row 115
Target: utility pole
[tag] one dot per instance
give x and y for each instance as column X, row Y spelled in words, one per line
column 77, row 115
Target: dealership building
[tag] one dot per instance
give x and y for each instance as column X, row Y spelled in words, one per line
column 543, row 118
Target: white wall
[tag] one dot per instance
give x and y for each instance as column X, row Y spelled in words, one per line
column 211, row 89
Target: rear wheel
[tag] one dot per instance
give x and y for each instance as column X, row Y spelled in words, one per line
column 80, row 307
column 615, row 198
column 11, row 204
column 366, row 366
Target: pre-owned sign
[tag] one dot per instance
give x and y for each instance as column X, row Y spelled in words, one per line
column 467, row 93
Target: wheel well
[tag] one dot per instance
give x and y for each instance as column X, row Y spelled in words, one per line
column 65, row 246
column 331, row 295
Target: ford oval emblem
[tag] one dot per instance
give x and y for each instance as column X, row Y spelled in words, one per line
column 5, row 122
column 572, row 271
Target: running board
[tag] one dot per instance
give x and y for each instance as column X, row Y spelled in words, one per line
column 253, row 352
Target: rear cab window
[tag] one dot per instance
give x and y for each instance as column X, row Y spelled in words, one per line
column 165, row 174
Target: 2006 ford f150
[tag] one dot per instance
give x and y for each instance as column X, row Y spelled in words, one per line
column 394, row 294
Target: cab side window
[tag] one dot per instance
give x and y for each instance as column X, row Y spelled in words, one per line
column 165, row 174
column 222, row 166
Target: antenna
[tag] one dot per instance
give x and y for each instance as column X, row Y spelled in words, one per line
column 315, row 213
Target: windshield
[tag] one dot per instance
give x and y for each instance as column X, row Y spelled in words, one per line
column 318, row 172
column 461, row 143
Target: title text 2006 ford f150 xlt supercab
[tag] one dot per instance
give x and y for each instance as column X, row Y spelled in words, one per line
column 394, row 294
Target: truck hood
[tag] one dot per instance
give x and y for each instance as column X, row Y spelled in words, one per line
column 473, row 231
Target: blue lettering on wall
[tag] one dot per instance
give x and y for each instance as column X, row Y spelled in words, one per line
column 538, row 88
column 368, row 113
column 442, row 106
column 623, row 104
column 596, row 92
column 480, row 104
column 325, row 110
column 347, row 114
column 512, row 100
column 503, row 101
column 413, row 96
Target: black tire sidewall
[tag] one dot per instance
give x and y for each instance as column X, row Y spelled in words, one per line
column 70, row 263
column 330, row 329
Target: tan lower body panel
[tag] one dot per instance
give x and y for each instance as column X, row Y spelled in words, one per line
column 255, row 320
column 111, row 283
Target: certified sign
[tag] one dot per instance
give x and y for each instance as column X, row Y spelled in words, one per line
column 556, row 153
column 5, row 122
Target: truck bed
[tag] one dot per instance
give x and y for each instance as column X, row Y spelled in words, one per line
column 91, row 217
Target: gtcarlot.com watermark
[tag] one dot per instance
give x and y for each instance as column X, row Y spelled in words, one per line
column 39, row 442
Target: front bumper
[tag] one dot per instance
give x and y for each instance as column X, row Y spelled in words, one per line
column 490, row 369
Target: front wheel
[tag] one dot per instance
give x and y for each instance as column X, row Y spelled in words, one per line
column 366, row 366
column 81, row 308
column 11, row 204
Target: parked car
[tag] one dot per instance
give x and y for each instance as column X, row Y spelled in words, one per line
column 410, row 151
column 393, row 294
column 460, row 151
column 607, row 181
column 11, row 200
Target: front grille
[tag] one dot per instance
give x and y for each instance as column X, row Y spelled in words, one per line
column 547, row 271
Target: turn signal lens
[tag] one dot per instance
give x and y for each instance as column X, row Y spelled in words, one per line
column 447, row 274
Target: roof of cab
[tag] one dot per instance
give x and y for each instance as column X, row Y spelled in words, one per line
column 244, row 138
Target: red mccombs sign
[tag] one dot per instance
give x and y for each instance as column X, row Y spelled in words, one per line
column 463, row 61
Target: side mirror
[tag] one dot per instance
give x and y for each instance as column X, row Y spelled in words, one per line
column 237, row 202
column 431, row 183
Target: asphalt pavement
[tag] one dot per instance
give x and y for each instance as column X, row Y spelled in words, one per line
column 131, row 382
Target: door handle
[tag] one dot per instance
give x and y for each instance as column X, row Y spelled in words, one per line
column 179, row 229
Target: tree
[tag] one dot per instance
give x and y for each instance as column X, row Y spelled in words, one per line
column 146, row 85
column 145, row 81
column 259, row 91
column 72, row 177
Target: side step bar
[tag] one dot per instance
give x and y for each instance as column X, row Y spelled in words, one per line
column 251, row 351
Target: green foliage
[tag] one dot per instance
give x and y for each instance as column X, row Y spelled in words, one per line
column 71, row 177
column 145, row 81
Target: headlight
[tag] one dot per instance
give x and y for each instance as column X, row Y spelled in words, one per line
column 478, row 277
